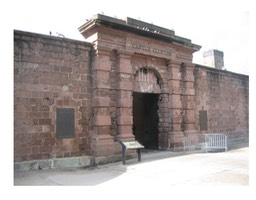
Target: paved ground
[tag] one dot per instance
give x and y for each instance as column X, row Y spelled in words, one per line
column 229, row 168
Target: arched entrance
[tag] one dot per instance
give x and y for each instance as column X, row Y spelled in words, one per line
column 145, row 119
column 146, row 91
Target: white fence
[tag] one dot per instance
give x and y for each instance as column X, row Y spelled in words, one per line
column 206, row 142
column 193, row 142
column 215, row 141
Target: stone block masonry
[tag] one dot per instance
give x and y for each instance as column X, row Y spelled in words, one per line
column 225, row 97
column 50, row 73
column 133, row 81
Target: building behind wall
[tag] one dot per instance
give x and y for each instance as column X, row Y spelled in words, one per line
column 131, row 80
column 214, row 58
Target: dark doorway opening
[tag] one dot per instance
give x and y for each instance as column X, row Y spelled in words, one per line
column 145, row 119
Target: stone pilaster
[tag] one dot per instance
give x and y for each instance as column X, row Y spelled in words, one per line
column 188, row 98
column 163, row 121
column 175, row 137
column 102, row 141
column 124, row 99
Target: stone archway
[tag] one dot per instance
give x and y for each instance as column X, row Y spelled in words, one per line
column 146, row 92
column 146, row 81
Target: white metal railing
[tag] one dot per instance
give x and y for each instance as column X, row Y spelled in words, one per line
column 193, row 142
column 216, row 141
column 205, row 142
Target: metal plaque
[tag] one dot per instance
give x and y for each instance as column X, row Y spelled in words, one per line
column 132, row 145
column 203, row 120
column 65, row 123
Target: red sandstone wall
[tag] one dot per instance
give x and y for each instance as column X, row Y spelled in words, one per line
column 50, row 73
column 225, row 97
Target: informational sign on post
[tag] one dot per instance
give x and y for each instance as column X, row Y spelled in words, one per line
column 131, row 145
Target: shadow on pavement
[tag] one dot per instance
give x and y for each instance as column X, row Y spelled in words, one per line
column 96, row 175
column 69, row 176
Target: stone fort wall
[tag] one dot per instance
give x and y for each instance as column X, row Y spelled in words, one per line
column 225, row 97
column 52, row 73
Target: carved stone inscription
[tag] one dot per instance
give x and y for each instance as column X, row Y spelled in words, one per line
column 151, row 49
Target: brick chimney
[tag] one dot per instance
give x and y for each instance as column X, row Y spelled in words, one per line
column 214, row 58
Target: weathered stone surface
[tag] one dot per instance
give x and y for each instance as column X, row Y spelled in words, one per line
column 47, row 70
column 99, row 81
column 225, row 97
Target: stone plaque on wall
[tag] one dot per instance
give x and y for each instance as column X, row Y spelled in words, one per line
column 65, row 123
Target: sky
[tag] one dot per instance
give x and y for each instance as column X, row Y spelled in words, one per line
column 213, row 24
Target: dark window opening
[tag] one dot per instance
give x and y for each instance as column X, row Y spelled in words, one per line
column 157, row 81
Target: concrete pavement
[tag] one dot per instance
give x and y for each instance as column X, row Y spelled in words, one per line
column 229, row 168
